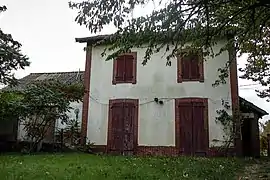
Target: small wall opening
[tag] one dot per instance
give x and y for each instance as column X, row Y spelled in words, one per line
column 246, row 130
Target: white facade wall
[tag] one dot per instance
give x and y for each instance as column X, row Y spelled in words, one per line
column 156, row 122
column 21, row 135
column 71, row 115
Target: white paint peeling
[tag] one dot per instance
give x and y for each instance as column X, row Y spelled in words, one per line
column 156, row 122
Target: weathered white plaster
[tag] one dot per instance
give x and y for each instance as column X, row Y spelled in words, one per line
column 156, row 123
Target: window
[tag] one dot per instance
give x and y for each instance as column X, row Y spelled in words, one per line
column 124, row 68
column 190, row 67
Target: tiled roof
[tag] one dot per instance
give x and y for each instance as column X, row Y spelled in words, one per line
column 93, row 39
column 64, row 77
column 247, row 104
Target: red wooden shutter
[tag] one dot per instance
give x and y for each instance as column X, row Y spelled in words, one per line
column 185, row 124
column 185, row 65
column 194, row 67
column 200, row 137
column 179, row 69
column 201, row 68
column 117, row 115
column 190, row 67
column 128, row 134
column 129, row 62
column 119, row 69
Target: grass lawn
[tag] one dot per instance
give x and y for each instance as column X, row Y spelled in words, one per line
column 90, row 167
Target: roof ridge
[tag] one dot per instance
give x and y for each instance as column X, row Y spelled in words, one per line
column 64, row 72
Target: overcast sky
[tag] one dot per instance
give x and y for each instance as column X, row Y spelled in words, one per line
column 47, row 31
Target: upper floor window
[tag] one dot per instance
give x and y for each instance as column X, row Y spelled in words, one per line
column 124, row 68
column 190, row 67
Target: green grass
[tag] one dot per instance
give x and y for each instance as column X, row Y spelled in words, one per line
column 90, row 167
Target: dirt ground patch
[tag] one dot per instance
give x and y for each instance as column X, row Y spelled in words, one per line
column 258, row 169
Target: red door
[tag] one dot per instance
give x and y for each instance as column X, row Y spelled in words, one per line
column 185, row 117
column 122, row 132
column 191, row 126
column 116, row 111
column 199, row 128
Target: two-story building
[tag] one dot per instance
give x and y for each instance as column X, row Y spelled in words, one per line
column 129, row 108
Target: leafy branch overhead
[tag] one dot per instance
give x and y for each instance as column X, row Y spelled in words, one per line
column 178, row 22
column 11, row 57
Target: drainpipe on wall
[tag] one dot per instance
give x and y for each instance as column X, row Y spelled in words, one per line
column 235, row 97
column 87, row 74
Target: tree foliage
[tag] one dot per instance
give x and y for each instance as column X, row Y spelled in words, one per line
column 263, row 136
column 11, row 57
column 177, row 22
column 71, row 134
column 10, row 105
column 39, row 106
column 265, row 128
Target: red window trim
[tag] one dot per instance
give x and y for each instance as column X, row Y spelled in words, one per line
column 201, row 69
column 135, row 131
column 177, row 118
column 134, row 80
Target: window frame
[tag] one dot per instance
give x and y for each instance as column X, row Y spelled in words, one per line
column 180, row 78
column 134, row 70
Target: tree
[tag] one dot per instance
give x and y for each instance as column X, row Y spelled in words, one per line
column 265, row 128
column 9, row 105
column 176, row 22
column 263, row 136
column 11, row 57
column 71, row 133
column 39, row 106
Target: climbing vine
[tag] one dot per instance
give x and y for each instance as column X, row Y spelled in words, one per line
column 227, row 123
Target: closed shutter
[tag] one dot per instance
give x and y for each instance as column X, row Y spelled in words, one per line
column 185, row 136
column 190, row 67
column 194, row 67
column 120, row 69
column 199, row 129
column 122, row 126
column 129, row 63
column 192, row 136
column 201, row 69
column 117, row 127
column 186, row 68
column 128, row 129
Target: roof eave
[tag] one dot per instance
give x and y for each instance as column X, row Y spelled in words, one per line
column 260, row 111
column 92, row 39
column 81, row 40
